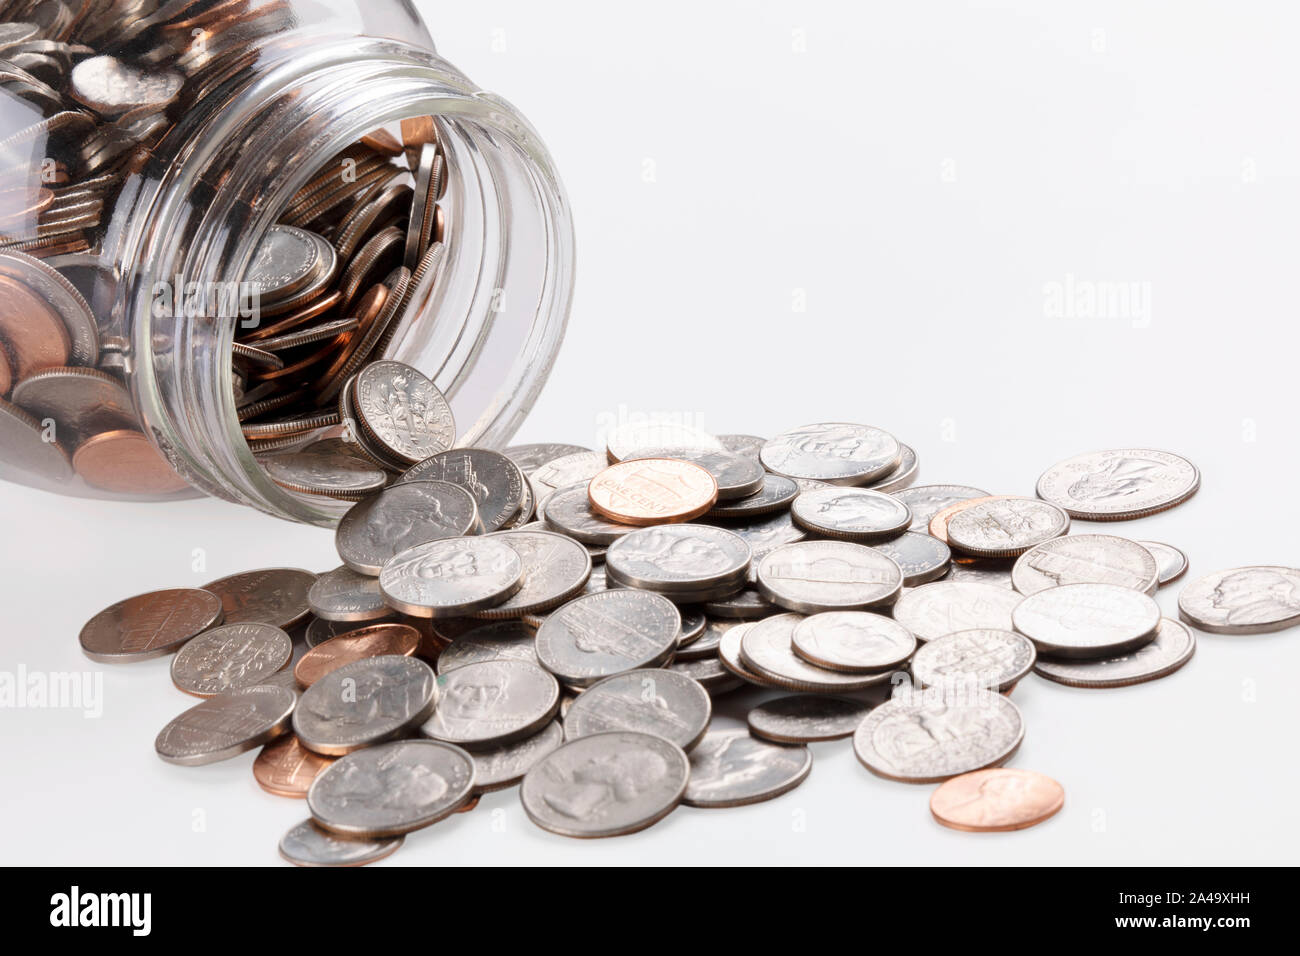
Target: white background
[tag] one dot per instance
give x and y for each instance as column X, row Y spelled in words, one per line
column 799, row 212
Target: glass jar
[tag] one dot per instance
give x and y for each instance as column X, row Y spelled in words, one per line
column 194, row 127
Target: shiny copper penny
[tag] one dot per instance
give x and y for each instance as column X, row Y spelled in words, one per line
column 1000, row 799
column 125, row 462
column 649, row 491
column 938, row 527
column 286, row 768
column 372, row 641
column 33, row 333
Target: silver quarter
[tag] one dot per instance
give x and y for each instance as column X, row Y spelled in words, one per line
column 1087, row 621
column 856, row 642
column 731, row 768
column 270, row 596
column 921, row 558
column 496, row 768
column 499, row 641
column 230, row 657
column 1086, row 558
column 345, row 595
column 680, row 558
column 555, row 569
column 1247, row 600
column 813, row 576
column 1173, row 647
column 492, row 703
column 364, row 703
column 1119, row 483
column 944, row 607
column 607, row 633
column 373, row 531
column 452, row 577
column 494, row 480
column 926, row 501
column 1171, row 561
column 306, row 844
column 767, row 649
column 806, row 718
column 852, row 514
column 837, row 452
column 658, row 702
column 402, row 411
column 226, row 725
column 1004, row 527
column 985, row 657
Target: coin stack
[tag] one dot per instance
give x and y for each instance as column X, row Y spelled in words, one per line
column 354, row 256
column 577, row 647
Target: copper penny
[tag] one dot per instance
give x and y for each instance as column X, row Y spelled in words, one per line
column 34, row 333
column 149, row 625
column 286, row 768
column 125, row 462
column 996, row 800
column 939, row 523
column 314, row 309
column 649, row 491
column 373, row 641
column 6, row 374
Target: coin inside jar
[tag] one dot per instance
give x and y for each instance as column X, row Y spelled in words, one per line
column 648, row 491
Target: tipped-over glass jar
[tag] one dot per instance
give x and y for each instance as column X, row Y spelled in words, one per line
column 213, row 213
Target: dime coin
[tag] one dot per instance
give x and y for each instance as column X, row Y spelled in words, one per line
column 997, row 800
column 1004, row 526
column 393, row 788
column 606, row 633
column 680, row 560
column 496, row 768
column 492, row 703
column 1120, row 483
column 624, row 441
column 731, row 768
column 501, row 641
column 806, row 718
column 364, row 703
column 275, row 596
column 605, row 785
column 852, row 514
column 1173, row 647
column 927, row 736
column 852, row 641
column 1172, row 561
column 555, row 569
column 345, row 595
column 776, row 493
column 149, row 625
column 306, row 844
column 531, row 457
column 376, row 640
column 403, row 411
column 650, row 491
column 926, row 501
column 730, row 657
column 569, row 510
column 229, row 657
column 125, row 462
column 286, row 260
column 451, row 577
column 766, row 649
column 408, row 514
column 1087, row 621
column 921, row 558
column 1086, row 558
column 835, row 452
column 736, row 476
column 286, row 768
column 813, row 576
column 658, row 702
column 985, row 657
column 226, row 725
column 944, row 607
column 577, row 468
column 938, row 526
column 1248, row 600
column 494, row 480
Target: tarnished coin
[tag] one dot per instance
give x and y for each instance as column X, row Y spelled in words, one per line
column 1173, row 647
column 226, row 725
column 376, row 640
column 492, row 703
column 929, row 736
column 230, row 657
column 307, row 844
column 364, row 703
column 997, row 800
column 1083, row 559
column 852, row 641
column 921, row 558
column 403, row 411
column 376, row 529
column 606, row 633
column 500, row 641
column 731, row 768
column 452, row 577
column 1248, row 600
column 767, row 649
column 851, row 514
column 813, row 576
column 1005, row 526
column 555, row 569
column 531, row 457
column 837, row 452
column 28, row 457
column 1172, row 561
column 806, row 718
column 269, row 596
column 496, row 768
column 577, row 468
column 688, row 562
column 984, row 657
column 1119, row 483
column 933, row 610
column 730, row 657
column 776, row 493
column 625, row 440
column 926, row 501
column 736, row 476
column 345, row 595
column 651, row 491
column 149, row 625
column 904, row 472
column 82, row 402
column 658, row 702
column 605, row 785
column 286, row 768
column 326, row 468
column 393, row 788
column 1087, row 621
column 494, row 480
column 569, row 510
